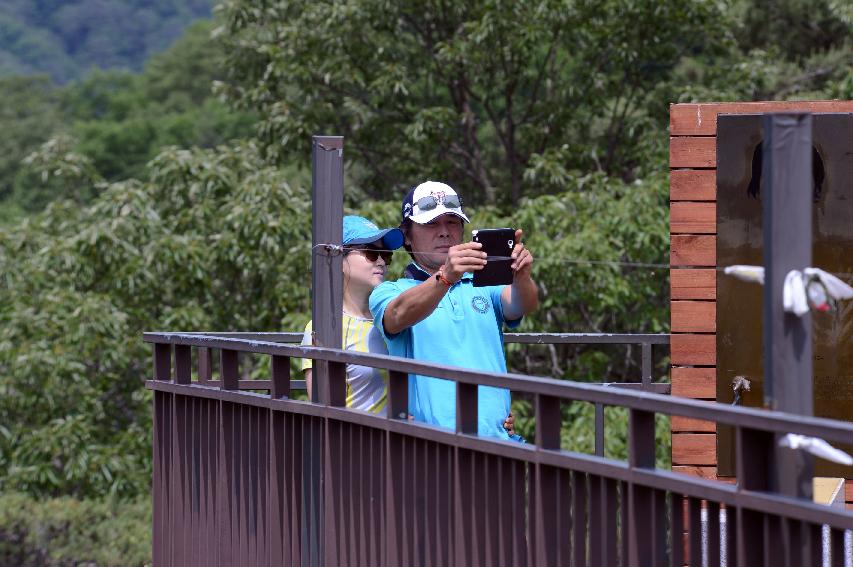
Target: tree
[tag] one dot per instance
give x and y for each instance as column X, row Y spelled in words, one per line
column 216, row 240
column 486, row 94
column 28, row 116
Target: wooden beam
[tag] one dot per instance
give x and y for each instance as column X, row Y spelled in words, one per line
column 692, row 218
column 689, row 425
column 709, row 473
column 694, row 449
column 698, row 383
column 693, row 152
column 692, row 250
column 701, row 119
column 693, row 350
column 693, row 284
column 693, row 316
column 693, row 185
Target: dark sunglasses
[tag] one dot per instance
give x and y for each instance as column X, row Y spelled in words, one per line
column 372, row 255
column 430, row 202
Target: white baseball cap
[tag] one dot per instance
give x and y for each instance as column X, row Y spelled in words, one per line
column 430, row 200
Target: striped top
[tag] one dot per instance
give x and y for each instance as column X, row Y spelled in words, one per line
column 366, row 387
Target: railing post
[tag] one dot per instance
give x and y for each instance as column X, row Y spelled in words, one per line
column 329, row 383
column 787, row 218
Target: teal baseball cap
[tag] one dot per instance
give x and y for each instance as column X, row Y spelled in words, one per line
column 359, row 230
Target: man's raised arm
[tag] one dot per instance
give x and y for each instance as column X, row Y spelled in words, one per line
column 417, row 303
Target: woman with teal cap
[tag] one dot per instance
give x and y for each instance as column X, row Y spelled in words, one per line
column 367, row 253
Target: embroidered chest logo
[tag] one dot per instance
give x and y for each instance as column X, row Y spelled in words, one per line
column 480, row 304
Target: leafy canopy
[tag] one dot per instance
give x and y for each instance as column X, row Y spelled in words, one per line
column 488, row 95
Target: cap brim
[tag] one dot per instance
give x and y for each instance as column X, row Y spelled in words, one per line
column 392, row 238
column 427, row 216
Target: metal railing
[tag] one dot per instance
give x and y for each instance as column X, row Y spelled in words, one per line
column 644, row 340
column 247, row 478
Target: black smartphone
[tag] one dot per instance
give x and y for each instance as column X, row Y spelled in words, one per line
column 498, row 244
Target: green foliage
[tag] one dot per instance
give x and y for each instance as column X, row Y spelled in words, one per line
column 66, row 39
column 28, row 116
column 795, row 29
column 484, row 94
column 548, row 116
column 216, row 240
column 67, row 531
column 117, row 120
column 55, row 171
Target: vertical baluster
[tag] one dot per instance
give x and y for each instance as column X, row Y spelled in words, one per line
column 546, row 495
column 694, row 513
column 647, row 365
column 641, row 454
column 713, row 539
column 676, row 510
column 579, row 519
column 754, row 455
column 813, row 548
column 836, row 547
column 162, row 362
column 659, row 527
column 280, row 377
column 183, row 364
column 466, row 408
column 205, row 365
column 229, row 370
column 599, row 430
column 337, row 384
column 398, row 395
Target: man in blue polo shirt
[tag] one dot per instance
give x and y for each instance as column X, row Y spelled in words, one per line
column 434, row 313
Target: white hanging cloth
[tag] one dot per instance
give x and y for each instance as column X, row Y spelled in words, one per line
column 811, row 288
column 817, row 447
column 746, row 273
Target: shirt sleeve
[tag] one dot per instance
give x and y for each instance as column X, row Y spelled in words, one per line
column 307, row 340
column 495, row 293
column 381, row 297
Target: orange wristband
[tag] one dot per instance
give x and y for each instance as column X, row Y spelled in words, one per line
column 439, row 275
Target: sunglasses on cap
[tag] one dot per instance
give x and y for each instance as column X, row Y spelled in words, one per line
column 430, row 202
column 371, row 255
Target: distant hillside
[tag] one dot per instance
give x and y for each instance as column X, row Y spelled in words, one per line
column 67, row 38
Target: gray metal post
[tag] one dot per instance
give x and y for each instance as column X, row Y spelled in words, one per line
column 787, row 213
column 327, row 181
column 326, row 265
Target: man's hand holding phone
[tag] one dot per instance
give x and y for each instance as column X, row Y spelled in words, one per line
column 522, row 259
column 467, row 257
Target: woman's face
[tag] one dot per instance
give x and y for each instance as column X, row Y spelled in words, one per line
column 361, row 271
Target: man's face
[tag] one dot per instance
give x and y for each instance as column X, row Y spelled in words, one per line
column 430, row 242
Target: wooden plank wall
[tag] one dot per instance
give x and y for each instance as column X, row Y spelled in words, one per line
column 693, row 250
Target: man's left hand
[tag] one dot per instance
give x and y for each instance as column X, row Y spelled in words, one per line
column 522, row 259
